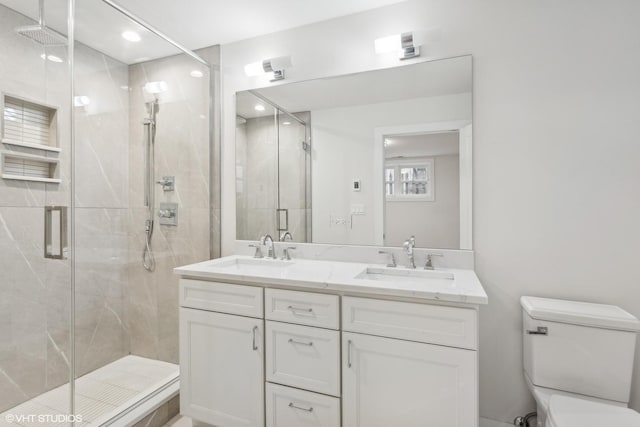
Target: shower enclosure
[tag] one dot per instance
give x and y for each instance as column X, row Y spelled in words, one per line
column 273, row 170
column 109, row 179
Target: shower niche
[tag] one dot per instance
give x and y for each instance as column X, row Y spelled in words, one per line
column 30, row 125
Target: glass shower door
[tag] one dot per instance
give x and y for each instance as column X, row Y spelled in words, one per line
column 35, row 198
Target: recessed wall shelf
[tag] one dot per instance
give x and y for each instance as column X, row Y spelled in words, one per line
column 29, row 167
column 29, row 124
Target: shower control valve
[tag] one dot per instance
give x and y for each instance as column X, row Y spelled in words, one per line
column 168, row 213
column 168, row 183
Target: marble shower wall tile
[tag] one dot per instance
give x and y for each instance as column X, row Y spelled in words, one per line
column 182, row 150
column 101, row 131
column 23, row 304
column 101, row 277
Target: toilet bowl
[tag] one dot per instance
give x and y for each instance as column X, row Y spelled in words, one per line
column 543, row 397
column 578, row 359
column 567, row 411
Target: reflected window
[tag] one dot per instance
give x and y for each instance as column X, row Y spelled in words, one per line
column 415, row 180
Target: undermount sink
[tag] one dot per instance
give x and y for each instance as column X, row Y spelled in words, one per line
column 402, row 275
column 252, row 264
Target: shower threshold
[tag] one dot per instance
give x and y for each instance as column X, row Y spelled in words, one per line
column 118, row 394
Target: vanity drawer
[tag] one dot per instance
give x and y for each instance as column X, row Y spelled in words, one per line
column 290, row 407
column 433, row 324
column 222, row 297
column 303, row 357
column 304, row 308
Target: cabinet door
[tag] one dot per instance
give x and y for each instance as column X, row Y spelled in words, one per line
column 221, row 368
column 389, row 382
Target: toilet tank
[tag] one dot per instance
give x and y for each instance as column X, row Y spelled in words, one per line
column 586, row 348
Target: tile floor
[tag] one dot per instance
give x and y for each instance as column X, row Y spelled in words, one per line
column 99, row 394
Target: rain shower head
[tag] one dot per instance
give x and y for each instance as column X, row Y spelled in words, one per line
column 40, row 33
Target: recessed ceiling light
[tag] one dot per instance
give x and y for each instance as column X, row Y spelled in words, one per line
column 196, row 73
column 131, row 36
column 259, row 107
column 286, row 123
column 51, row 58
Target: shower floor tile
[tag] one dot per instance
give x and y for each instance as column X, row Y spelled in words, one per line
column 107, row 390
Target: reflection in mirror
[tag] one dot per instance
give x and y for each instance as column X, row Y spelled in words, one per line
column 422, row 186
column 376, row 158
column 272, row 171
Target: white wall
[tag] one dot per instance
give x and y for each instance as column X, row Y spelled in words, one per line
column 343, row 151
column 555, row 155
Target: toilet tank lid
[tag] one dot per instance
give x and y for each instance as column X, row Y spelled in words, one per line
column 580, row 313
column 571, row 412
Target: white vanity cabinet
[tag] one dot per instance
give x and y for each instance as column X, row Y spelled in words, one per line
column 254, row 356
column 222, row 355
column 393, row 371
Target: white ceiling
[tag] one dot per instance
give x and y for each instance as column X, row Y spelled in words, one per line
column 192, row 23
column 433, row 78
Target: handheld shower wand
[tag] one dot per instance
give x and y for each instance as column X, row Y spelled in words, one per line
column 148, row 260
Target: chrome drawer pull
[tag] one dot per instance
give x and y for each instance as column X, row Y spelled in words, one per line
column 349, row 343
column 292, row 341
column 292, row 405
column 254, row 346
column 541, row 330
column 308, row 310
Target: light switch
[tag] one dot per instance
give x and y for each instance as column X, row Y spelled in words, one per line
column 357, row 209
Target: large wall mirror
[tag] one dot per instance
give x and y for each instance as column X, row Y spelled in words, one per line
column 361, row 159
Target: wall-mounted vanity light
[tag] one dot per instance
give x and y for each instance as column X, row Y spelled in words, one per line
column 273, row 65
column 406, row 44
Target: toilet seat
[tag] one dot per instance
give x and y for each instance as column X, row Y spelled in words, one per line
column 571, row 412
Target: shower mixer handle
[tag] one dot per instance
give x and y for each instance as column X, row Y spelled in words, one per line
column 166, row 213
column 168, row 183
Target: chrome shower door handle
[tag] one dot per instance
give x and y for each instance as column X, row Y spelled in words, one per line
column 55, row 232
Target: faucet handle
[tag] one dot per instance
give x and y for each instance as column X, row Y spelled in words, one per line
column 429, row 264
column 393, row 258
column 258, row 253
column 286, row 255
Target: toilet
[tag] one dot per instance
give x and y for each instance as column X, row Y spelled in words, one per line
column 578, row 362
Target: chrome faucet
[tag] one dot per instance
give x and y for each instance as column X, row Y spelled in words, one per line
column 429, row 264
column 286, row 254
column 283, row 236
column 271, row 248
column 393, row 258
column 408, row 249
column 258, row 253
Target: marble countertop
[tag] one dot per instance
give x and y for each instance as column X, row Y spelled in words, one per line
column 452, row 285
